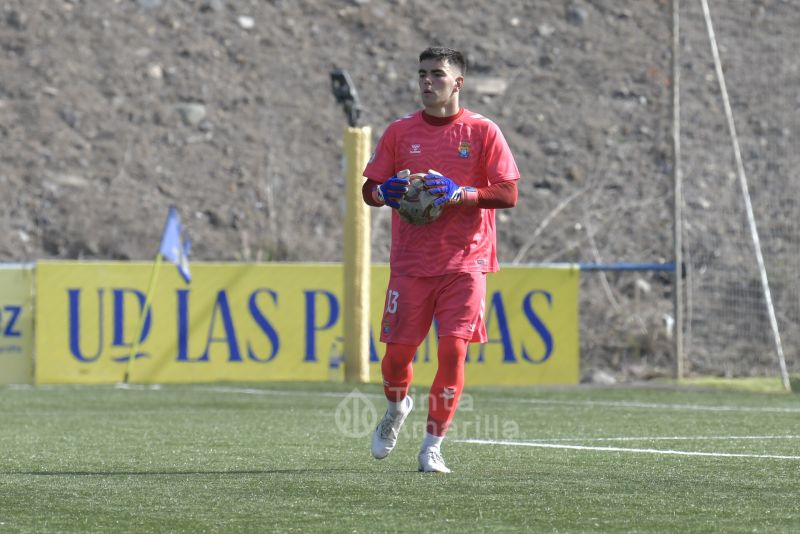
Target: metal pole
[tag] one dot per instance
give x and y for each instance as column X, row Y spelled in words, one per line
column 677, row 273
column 751, row 219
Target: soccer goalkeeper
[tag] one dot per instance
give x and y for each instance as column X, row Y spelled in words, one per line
column 437, row 270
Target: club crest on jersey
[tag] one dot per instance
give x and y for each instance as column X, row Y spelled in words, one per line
column 416, row 148
column 463, row 149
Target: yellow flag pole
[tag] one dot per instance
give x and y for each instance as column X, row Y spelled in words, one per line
column 142, row 316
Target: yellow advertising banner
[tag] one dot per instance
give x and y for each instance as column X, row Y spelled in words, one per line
column 532, row 324
column 276, row 321
column 16, row 324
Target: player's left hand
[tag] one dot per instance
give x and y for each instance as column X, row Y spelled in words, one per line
column 450, row 192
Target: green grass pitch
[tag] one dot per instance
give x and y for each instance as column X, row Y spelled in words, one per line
column 295, row 458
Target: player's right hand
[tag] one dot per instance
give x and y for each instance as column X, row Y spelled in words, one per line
column 392, row 190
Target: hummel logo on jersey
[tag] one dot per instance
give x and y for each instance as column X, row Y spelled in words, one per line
column 416, row 148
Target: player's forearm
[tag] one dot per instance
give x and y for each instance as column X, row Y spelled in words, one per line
column 498, row 196
column 368, row 192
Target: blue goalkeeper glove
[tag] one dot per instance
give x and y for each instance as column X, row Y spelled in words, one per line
column 392, row 190
column 450, row 192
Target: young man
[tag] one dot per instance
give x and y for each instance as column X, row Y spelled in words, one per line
column 437, row 270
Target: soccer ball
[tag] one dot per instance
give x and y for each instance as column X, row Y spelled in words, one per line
column 416, row 206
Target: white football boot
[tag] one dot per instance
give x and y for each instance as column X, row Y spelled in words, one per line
column 384, row 438
column 431, row 461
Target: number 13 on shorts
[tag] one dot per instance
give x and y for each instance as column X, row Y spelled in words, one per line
column 391, row 301
column 389, row 321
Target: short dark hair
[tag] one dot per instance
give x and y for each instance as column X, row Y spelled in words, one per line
column 454, row 57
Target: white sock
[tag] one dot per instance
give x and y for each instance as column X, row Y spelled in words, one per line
column 431, row 442
column 398, row 407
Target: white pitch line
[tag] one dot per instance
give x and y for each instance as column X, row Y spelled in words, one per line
column 587, row 403
column 253, row 391
column 655, row 405
column 665, row 438
column 623, row 449
column 591, row 404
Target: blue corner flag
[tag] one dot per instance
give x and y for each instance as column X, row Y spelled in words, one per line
column 174, row 246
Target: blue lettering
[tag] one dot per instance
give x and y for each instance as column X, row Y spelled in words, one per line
column 15, row 312
column 496, row 307
column 75, row 325
column 183, row 329
column 224, row 310
column 311, row 326
column 265, row 326
column 539, row 326
column 119, row 317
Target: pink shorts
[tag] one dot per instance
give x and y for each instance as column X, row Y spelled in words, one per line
column 455, row 300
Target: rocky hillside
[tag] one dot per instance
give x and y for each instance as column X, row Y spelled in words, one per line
column 111, row 111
